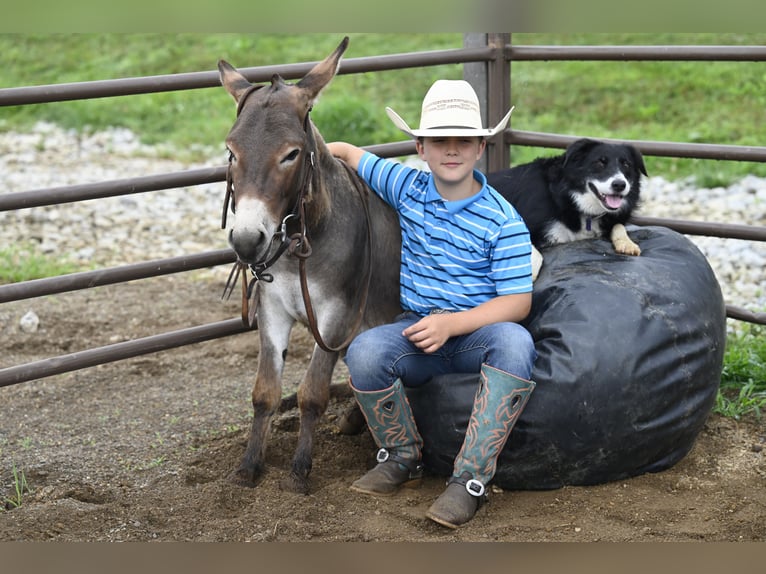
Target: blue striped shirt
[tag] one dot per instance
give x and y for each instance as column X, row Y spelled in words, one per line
column 455, row 254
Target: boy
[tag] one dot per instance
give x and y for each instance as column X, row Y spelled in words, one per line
column 465, row 284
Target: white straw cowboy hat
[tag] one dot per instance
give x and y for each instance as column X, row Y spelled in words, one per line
column 450, row 109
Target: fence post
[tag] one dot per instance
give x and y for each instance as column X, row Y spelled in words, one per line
column 492, row 83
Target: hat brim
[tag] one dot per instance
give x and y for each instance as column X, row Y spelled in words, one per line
column 448, row 132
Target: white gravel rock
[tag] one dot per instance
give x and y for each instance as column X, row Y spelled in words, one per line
column 109, row 231
column 29, row 322
column 113, row 231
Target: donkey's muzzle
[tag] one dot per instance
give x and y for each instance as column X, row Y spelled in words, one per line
column 248, row 245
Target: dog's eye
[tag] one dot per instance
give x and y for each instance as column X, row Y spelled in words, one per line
column 601, row 162
column 625, row 164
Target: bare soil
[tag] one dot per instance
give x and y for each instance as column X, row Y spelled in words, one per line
column 139, row 450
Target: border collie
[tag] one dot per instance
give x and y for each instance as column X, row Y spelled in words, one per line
column 588, row 191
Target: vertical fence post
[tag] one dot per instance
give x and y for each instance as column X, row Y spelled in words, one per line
column 475, row 73
column 492, row 83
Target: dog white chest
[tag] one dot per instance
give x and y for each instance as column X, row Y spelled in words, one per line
column 560, row 233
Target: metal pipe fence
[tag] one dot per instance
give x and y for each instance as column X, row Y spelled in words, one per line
column 496, row 56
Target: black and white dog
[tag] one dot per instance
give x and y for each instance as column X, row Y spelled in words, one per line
column 588, row 191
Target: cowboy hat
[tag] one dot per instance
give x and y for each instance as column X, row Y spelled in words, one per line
column 450, row 109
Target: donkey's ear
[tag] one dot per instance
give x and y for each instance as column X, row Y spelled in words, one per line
column 321, row 74
column 234, row 82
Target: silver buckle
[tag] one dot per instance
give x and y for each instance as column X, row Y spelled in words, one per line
column 382, row 455
column 474, row 487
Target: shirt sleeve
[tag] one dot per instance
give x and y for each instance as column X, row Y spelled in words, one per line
column 387, row 178
column 512, row 259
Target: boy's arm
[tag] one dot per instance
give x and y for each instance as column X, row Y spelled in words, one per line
column 432, row 331
column 349, row 153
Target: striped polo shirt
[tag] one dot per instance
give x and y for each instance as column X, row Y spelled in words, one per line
column 455, row 254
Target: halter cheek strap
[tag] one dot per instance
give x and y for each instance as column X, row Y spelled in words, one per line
column 229, row 198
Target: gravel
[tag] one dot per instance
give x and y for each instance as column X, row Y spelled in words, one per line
column 114, row 231
column 109, row 231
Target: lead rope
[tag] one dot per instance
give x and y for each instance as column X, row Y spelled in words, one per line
column 248, row 310
column 304, row 280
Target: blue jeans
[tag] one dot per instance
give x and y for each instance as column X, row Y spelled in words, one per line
column 381, row 355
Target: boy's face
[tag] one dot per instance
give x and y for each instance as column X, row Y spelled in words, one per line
column 451, row 159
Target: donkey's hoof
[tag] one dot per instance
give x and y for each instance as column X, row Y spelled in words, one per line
column 245, row 477
column 295, row 483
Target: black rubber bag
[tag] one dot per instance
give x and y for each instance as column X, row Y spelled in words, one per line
column 630, row 352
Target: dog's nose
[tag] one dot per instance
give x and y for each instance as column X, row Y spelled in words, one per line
column 619, row 185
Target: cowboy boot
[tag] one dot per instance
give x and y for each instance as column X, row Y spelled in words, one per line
column 393, row 428
column 498, row 403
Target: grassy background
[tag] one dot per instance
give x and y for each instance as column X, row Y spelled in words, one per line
column 721, row 102
column 705, row 102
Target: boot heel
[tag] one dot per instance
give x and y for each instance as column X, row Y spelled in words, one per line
column 413, row 483
column 388, row 477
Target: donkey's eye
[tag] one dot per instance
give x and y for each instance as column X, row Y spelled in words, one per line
column 291, row 156
column 231, row 155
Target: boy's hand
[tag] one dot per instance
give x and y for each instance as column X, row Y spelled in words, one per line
column 347, row 152
column 430, row 333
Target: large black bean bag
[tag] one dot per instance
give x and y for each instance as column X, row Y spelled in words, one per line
column 630, row 352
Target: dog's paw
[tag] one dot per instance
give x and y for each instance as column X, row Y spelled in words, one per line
column 627, row 247
column 622, row 243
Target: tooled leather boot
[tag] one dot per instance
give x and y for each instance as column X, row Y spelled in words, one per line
column 393, row 428
column 497, row 406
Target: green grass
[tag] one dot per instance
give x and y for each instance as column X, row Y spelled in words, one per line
column 704, row 102
column 191, row 122
column 743, row 380
column 20, row 488
column 698, row 102
column 26, row 262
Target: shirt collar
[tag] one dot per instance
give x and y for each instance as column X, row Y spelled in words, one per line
column 455, row 206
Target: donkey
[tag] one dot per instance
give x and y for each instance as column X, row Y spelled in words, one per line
column 316, row 239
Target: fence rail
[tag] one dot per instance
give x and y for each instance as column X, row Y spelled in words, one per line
column 637, row 53
column 494, row 55
column 194, row 80
column 656, row 148
column 119, row 351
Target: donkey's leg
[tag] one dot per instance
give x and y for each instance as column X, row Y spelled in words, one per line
column 313, row 396
column 266, row 395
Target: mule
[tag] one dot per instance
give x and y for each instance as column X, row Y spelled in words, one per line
column 296, row 208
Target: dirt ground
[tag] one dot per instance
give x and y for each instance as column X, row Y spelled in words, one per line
column 139, row 450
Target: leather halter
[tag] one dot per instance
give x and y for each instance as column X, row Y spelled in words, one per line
column 297, row 244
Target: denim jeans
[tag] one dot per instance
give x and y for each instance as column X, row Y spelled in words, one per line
column 381, row 355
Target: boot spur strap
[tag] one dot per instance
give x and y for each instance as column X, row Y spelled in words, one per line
column 473, row 487
column 414, row 466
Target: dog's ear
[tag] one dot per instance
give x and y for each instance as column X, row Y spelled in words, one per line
column 577, row 147
column 638, row 159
